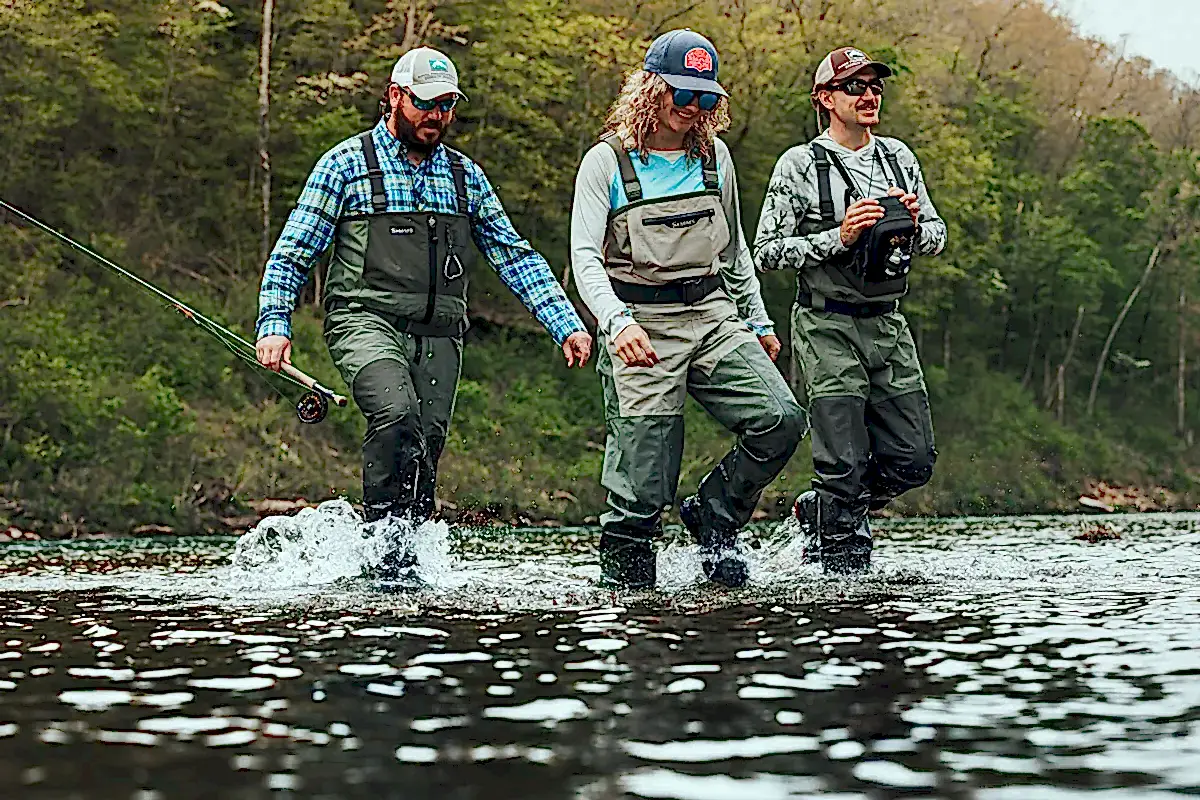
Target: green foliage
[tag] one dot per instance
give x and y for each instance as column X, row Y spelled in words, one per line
column 133, row 125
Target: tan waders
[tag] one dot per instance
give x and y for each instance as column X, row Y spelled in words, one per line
column 661, row 256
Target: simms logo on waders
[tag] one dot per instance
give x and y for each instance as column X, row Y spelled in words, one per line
column 396, row 230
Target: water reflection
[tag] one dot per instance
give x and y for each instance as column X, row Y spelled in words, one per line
column 984, row 659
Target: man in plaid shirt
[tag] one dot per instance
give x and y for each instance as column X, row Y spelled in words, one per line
column 401, row 209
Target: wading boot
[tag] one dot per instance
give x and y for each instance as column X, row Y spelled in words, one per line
column 721, row 557
column 627, row 561
column 845, row 540
column 805, row 512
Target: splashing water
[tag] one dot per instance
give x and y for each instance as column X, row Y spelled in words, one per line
column 331, row 542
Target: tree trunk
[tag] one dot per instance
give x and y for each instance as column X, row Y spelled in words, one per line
column 1116, row 326
column 264, row 125
column 1061, row 378
column 1180, row 396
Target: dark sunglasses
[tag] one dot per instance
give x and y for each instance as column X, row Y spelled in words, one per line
column 445, row 105
column 706, row 100
column 857, row 87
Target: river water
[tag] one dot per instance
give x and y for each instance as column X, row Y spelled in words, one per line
column 991, row 658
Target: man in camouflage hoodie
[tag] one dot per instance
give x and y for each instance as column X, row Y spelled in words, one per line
column 872, row 436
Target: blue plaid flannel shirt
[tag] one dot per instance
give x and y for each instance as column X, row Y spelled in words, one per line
column 338, row 185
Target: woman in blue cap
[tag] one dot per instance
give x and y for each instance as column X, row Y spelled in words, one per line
column 659, row 258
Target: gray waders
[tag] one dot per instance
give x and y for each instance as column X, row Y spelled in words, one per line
column 661, row 256
column 872, row 433
column 395, row 314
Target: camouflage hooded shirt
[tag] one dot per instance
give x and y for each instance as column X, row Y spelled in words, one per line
column 791, row 233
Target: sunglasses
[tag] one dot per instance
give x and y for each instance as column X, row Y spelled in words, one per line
column 858, row 87
column 445, row 105
column 706, row 100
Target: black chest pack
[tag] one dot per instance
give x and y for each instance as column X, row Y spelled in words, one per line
column 878, row 263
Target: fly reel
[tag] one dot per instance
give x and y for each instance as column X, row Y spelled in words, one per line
column 312, row 408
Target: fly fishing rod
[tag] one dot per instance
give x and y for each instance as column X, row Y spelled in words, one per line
column 311, row 408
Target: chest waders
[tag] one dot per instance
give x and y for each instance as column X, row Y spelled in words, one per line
column 872, row 435
column 664, row 250
column 409, row 267
column 662, row 257
column 396, row 303
column 869, row 268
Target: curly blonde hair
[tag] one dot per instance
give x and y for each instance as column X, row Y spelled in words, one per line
column 634, row 116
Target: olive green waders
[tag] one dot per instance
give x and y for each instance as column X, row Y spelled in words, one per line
column 872, row 434
column 396, row 310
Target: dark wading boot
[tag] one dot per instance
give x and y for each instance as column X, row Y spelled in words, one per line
column 721, row 558
column 627, row 561
column 805, row 512
column 845, row 541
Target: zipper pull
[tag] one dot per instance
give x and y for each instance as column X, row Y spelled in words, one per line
column 432, row 228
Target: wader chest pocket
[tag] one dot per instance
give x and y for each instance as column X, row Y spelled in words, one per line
column 680, row 220
column 686, row 237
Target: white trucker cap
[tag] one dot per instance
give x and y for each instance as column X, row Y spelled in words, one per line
column 426, row 73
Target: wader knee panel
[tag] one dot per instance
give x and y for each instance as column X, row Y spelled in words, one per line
column 393, row 448
column 841, row 449
column 903, row 452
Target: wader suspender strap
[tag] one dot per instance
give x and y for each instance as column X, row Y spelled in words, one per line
column 893, row 163
column 459, row 171
column 708, row 169
column 374, row 174
column 821, row 159
column 629, row 178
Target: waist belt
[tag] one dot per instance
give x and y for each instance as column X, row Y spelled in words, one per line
column 860, row 310
column 689, row 292
column 402, row 324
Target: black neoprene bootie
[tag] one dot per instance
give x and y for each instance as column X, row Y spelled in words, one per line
column 627, row 561
column 721, row 557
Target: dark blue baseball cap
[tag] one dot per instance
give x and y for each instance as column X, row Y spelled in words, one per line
column 685, row 60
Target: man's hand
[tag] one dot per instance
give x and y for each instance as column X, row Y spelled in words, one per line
column 771, row 344
column 274, row 351
column 910, row 201
column 577, row 349
column 861, row 215
column 634, row 348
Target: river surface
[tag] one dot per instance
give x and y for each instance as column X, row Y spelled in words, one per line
column 990, row 658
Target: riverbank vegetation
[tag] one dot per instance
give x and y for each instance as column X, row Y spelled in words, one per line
column 1058, row 330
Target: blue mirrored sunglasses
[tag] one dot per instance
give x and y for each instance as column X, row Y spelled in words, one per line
column 445, row 105
column 706, row 100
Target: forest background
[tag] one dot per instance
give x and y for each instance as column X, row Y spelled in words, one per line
column 1057, row 330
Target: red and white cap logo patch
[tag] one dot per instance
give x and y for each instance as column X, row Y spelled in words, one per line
column 698, row 59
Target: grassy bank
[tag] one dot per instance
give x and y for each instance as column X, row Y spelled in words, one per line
column 133, row 418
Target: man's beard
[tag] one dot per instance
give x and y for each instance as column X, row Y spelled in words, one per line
column 406, row 132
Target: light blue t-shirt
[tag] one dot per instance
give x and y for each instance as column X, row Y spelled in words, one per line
column 662, row 175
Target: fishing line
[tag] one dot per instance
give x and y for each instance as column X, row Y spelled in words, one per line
column 311, row 408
